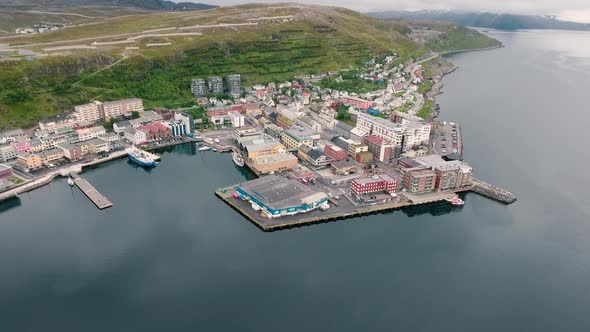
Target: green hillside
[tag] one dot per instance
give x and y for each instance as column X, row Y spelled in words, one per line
column 317, row 39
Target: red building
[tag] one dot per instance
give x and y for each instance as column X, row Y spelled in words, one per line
column 360, row 103
column 155, row 131
column 374, row 184
column 335, row 152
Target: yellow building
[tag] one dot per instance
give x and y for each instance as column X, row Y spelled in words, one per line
column 29, row 161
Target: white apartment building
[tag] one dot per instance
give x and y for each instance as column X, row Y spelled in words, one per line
column 405, row 135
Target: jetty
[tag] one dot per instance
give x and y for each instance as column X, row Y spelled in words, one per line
column 97, row 198
column 492, row 192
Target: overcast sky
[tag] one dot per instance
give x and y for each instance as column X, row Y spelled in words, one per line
column 575, row 10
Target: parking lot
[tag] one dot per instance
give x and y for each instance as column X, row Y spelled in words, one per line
column 446, row 139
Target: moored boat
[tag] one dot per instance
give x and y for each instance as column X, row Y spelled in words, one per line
column 70, row 181
column 204, row 148
column 238, row 160
column 140, row 157
column 456, row 201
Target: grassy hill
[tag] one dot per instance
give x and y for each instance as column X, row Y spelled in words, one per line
column 315, row 39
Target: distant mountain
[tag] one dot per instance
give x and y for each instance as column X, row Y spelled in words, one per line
column 141, row 4
column 487, row 20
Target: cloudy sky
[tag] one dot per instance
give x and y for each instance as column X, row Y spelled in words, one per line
column 575, row 10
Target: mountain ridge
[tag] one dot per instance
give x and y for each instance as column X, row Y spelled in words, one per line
column 487, row 19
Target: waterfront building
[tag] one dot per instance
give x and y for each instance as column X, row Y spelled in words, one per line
column 198, row 87
column 278, row 196
column 419, row 180
column 357, row 102
column 50, row 156
column 335, row 152
column 7, row 152
column 176, row 128
column 215, row 84
column 5, row 174
column 29, row 161
column 377, row 183
column 90, row 133
column 188, row 120
column 314, row 157
column 293, row 138
column 155, row 131
column 234, row 85
column 135, row 136
column 450, row 175
column 72, row 152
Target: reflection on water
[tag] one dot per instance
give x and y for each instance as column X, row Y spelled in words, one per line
column 10, row 204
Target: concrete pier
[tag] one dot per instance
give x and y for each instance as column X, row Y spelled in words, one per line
column 97, row 198
column 493, row 192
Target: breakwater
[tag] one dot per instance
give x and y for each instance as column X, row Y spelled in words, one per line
column 493, row 192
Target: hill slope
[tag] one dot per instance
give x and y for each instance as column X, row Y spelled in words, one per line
column 271, row 43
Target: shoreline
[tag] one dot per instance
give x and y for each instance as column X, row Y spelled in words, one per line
column 76, row 168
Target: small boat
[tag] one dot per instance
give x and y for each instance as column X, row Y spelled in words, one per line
column 456, row 201
column 238, row 160
column 204, row 148
column 70, row 181
column 324, row 206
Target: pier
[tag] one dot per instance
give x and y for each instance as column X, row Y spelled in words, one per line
column 344, row 208
column 97, row 198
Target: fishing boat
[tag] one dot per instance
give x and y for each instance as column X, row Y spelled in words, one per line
column 456, row 201
column 140, row 157
column 238, row 160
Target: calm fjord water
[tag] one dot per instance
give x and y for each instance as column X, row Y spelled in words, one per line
column 169, row 256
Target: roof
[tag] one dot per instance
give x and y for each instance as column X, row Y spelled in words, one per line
column 279, row 193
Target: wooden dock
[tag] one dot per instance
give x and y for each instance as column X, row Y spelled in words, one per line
column 97, row 198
